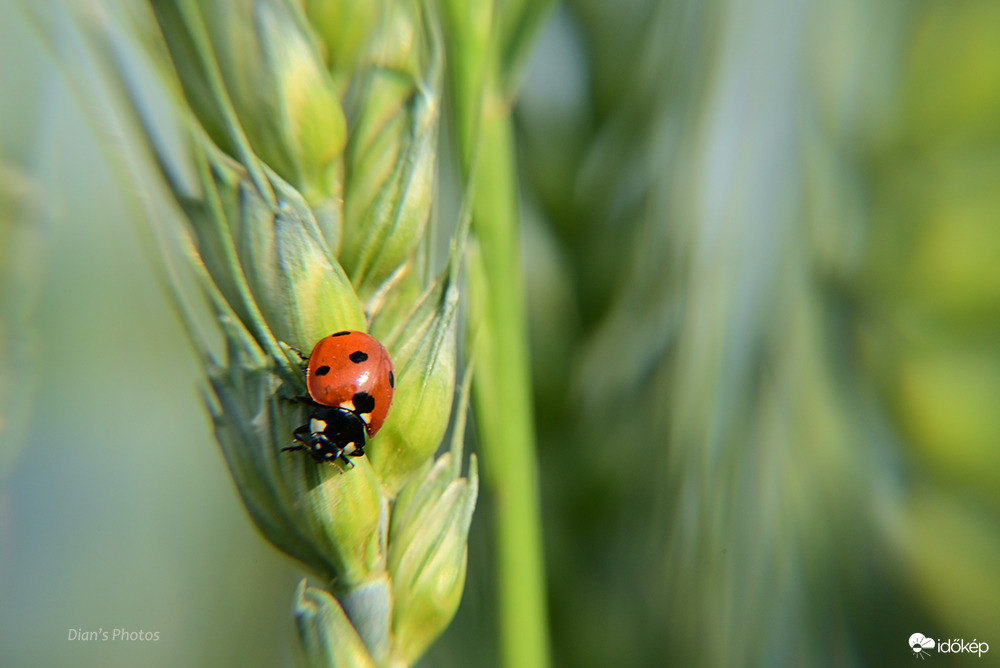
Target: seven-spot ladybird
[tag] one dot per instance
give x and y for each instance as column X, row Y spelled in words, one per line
column 350, row 380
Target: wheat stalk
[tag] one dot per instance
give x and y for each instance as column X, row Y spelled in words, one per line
column 313, row 145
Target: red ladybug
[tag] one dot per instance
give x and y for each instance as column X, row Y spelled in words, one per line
column 350, row 381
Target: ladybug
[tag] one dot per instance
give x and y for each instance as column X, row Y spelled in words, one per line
column 350, row 380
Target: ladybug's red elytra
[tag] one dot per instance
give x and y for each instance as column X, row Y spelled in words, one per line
column 350, row 380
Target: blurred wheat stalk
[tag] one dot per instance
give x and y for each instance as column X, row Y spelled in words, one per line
column 24, row 212
column 20, row 242
column 722, row 237
column 714, row 476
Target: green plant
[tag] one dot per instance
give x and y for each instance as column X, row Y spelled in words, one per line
column 309, row 211
column 488, row 43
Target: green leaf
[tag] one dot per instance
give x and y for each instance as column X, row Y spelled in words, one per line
column 427, row 556
column 257, row 84
column 301, row 289
column 329, row 639
column 390, row 166
column 345, row 28
column 423, row 351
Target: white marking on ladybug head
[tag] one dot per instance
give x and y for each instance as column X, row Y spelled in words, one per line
column 349, row 448
column 317, row 426
column 349, row 405
column 366, row 417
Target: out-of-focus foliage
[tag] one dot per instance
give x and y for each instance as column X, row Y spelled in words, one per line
column 20, row 241
column 765, row 265
column 928, row 297
column 22, row 212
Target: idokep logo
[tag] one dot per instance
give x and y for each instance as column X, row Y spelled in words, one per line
column 920, row 643
column 921, row 646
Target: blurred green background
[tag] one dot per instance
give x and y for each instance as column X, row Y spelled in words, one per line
column 762, row 241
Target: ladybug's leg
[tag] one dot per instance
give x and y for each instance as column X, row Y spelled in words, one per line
column 309, row 441
column 353, row 449
column 302, row 440
column 319, row 447
column 344, row 430
column 330, row 452
column 295, row 350
column 332, row 435
column 304, row 435
column 357, row 452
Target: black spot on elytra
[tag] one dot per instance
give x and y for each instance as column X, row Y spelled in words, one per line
column 392, row 379
column 343, row 333
column 323, row 370
column 363, row 403
column 358, row 356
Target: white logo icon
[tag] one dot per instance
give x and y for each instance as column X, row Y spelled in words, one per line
column 920, row 643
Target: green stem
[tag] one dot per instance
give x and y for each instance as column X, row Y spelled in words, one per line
column 502, row 398
column 501, row 383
